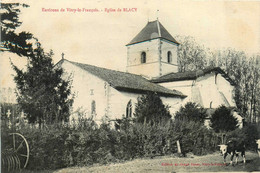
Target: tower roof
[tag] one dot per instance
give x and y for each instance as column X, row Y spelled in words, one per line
column 151, row 31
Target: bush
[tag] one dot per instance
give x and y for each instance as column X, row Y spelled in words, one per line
column 222, row 120
column 46, row 148
column 189, row 129
column 195, row 137
column 247, row 134
column 150, row 109
column 191, row 112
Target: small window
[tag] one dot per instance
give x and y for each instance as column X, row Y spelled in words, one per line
column 93, row 108
column 143, row 57
column 129, row 109
column 169, row 57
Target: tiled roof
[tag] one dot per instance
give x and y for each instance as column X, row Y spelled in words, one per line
column 151, row 31
column 191, row 75
column 128, row 82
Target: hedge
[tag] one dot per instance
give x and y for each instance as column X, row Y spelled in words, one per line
column 57, row 147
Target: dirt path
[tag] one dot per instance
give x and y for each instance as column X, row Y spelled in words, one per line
column 208, row 163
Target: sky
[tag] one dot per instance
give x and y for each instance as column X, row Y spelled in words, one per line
column 99, row 38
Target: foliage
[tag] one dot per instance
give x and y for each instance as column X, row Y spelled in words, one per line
column 194, row 137
column 244, row 70
column 191, row 112
column 41, row 92
column 247, row 134
column 10, row 40
column 222, row 120
column 150, row 109
column 191, row 55
column 122, row 124
column 189, row 129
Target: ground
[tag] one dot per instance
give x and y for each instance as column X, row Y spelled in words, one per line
column 208, row 163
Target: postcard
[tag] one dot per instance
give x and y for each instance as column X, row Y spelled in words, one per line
column 145, row 86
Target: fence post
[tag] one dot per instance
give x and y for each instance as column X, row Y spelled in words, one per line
column 178, row 146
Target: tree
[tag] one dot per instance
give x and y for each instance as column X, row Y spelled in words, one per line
column 244, row 71
column 150, row 109
column 41, row 92
column 10, row 40
column 223, row 121
column 191, row 55
column 191, row 112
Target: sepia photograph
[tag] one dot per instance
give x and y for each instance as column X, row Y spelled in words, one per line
column 130, row 86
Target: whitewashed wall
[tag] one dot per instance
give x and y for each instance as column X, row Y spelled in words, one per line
column 152, row 58
column 87, row 88
column 156, row 58
column 119, row 102
column 204, row 91
column 173, row 103
column 227, row 89
column 165, row 66
column 210, row 91
column 182, row 86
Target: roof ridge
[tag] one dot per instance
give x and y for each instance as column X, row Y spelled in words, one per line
column 190, row 71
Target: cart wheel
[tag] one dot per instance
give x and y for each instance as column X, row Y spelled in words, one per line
column 20, row 149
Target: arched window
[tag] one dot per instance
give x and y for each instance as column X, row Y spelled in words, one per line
column 169, row 57
column 143, row 57
column 93, row 108
column 129, row 109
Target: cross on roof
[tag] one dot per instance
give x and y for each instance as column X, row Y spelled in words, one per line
column 62, row 55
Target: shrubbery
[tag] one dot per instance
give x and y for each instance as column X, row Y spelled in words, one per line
column 248, row 135
column 191, row 112
column 53, row 148
column 150, row 109
column 222, row 120
column 85, row 143
column 195, row 137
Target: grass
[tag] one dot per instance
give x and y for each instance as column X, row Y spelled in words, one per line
column 212, row 163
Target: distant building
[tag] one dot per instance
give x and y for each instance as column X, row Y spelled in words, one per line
column 7, row 95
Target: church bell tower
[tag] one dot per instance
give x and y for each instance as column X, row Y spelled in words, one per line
column 153, row 52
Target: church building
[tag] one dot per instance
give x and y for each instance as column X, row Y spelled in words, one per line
column 152, row 65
